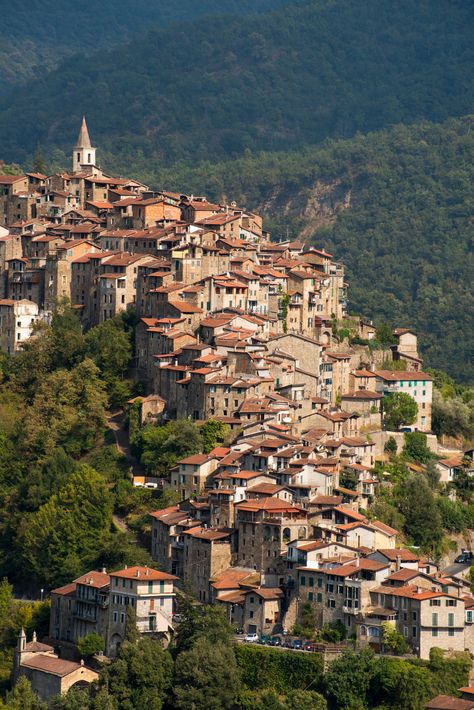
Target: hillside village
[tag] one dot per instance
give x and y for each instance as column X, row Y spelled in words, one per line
column 248, row 332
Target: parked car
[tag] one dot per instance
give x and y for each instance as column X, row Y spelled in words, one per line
column 251, row 638
column 297, row 644
column 264, row 639
column 309, row 646
column 465, row 557
column 275, row 641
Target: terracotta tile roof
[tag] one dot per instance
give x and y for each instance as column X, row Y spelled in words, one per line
column 326, row 500
column 94, row 579
column 232, row 577
column 391, row 376
column 66, row 590
column 210, row 534
column 452, row 461
column 51, row 664
column 350, row 513
column 145, row 573
column 266, row 488
column 196, row 459
column 231, row 597
column 267, row 593
column 362, row 394
column 184, row 307
column 274, row 505
column 403, row 575
column 383, row 527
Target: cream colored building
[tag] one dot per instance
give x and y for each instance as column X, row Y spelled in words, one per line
column 150, row 593
column 17, row 319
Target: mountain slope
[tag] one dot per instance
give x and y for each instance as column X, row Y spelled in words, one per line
column 214, row 87
column 36, row 35
column 396, row 206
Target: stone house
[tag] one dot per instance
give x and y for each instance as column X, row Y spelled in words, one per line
column 262, row 610
column 48, row 674
column 193, row 474
column 80, row 608
column 59, row 273
column 116, row 284
column 167, row 537
column 338, row 592
column 207, row 551
column 265, row 528
column 425, row 618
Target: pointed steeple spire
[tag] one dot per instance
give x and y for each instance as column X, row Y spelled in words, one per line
column 83, row 140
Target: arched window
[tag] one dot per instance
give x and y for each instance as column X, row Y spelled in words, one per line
column 286, row 534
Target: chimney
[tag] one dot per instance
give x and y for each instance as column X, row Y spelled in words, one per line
column 104, row 571
column 398, row 562
column 33, row 638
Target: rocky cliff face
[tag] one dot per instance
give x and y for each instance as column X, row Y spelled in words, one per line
column 315, row 206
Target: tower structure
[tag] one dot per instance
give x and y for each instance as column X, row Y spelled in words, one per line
column 83, row 155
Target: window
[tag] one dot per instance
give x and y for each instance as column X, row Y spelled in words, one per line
column 150, row 587
column 451, row 602
column 303, row 581
column 413, row 615
column 122, row 618
column 115, row 616
column 434, row 632
column 331, row 603
column 435, row 602
column 311, row 581
column 450, row 632
column 320, row 582
column 310, row 596
column 434, row 619
column 319, row 597
column 450, row 619
column 469, row 616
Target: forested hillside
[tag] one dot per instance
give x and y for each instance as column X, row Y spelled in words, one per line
column 36, row 35
column 395, row 206
column 216, row 86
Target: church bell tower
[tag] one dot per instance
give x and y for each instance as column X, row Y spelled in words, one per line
column 83, row 155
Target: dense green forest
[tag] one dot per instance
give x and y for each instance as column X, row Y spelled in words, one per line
column 36, row 35
column 397, row 211
column 213, row 87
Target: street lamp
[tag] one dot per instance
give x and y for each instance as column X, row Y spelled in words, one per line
column 42, row 592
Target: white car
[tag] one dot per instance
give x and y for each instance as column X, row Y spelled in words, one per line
column 251, row 638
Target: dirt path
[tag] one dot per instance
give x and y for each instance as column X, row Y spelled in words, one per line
column 115, row 424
